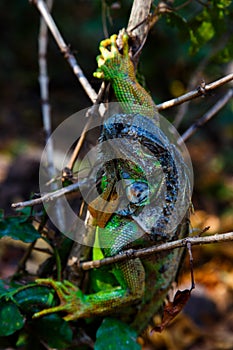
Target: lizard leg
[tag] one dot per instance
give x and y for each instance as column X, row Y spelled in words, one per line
column 76, row 305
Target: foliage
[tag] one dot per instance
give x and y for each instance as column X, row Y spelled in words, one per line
column 16, row 308
column 18, row 227
column 122, row 336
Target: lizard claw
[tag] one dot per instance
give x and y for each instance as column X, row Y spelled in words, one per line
column 105, row 52
column 110, row 57
column 116, row 66
column 66, row 292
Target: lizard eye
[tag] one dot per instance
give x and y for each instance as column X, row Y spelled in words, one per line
column 137, row 192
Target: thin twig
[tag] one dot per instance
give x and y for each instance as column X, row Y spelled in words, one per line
column 189, row 248
column 64, row 48
column 43, row 250
column 73, row 187
column 58, row 263
column 22, row 263
column 140, row 253
column 44, row 90
column 92, row 111
column 196, row 76
column 104, row 18
column 200, row 91
column 78, row 146
column 45, row 105
column 206, row 117
column 162, row 8
column 182, row 5
column 53, row 195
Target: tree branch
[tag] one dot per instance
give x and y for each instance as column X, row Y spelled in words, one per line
column 196, row 76
column 91, row 112
column 45, row 105
column 51, row 196
column 44, row 89
column 140, row 253
column 202, row 90
column 139, row 14
column 64, row 48
column 206, row 117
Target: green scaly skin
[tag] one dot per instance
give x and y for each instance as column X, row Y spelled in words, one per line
column 141, row 285
column 118, row 69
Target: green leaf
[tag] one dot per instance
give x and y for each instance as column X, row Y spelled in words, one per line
column 202, row 34
column 115, row 335
column 206, row 31
column 23, row 339
column 102, row 280
column 18, row 228
column 54, row 331
column 11, row 319
column 213, row 22
column 222, row 4
column 29, row 298
column 97, row 252
column 33, row 298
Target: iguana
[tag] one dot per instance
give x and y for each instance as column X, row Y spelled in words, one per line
column 151, row 203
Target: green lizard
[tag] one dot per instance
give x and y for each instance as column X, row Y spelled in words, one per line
column 140, row 285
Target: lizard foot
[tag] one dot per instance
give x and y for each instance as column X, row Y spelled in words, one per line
column 111, row 61
column 116, row 66
column 68, row 294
